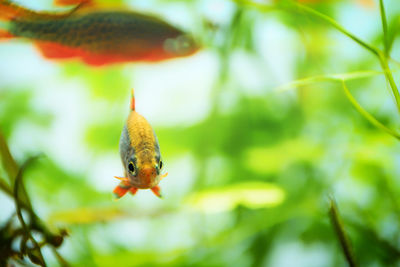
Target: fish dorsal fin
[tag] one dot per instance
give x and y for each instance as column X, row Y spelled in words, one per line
column 132, row 106
column 80, row 5
column 86, row 5
column 73, row 2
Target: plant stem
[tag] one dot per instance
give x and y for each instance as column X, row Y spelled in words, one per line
column 366, row 115
column 384, row 26
column 5, row 187
column 9, row 164
column 341, row 234
column 389, row 77
column 18, row 179
column 11, row 168
column 336, row 25
column 381, row 55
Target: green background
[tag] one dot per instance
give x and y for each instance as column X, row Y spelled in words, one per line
column 254, row 150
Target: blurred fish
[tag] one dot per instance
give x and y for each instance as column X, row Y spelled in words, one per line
column 140, row 155
column 96, row 36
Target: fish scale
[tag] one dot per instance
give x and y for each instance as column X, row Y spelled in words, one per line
column 100, row 26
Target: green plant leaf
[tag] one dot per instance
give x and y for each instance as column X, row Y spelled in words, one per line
column 253, row 195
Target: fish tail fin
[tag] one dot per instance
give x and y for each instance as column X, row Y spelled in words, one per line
column 5, row 16
column 10, row 10
column 132, row 100
column 7, row 10
column 120, row 190
column 4, row 34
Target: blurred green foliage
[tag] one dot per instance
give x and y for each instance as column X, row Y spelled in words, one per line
column 250, row 180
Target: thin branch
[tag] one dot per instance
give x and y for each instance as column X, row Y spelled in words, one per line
column 394, row 25
column 385, row 28
column 339, row 27
column 5, row 187
column 11, row 168
column 18, row 180
column 341, row 78
column 328, row 77
column 341, row 234
column 381, row 56
column 389, row 77
column 9, row 164
column 367, row 115
column 377, row 52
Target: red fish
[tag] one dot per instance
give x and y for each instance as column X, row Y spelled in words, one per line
column 140, row 155
column 96, row 36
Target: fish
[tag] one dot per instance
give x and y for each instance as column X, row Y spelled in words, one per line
column 96, row 36
column 140, row 156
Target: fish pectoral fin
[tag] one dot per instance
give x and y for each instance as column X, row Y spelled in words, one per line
column 133, row 190
column 163, row 175
column 120, row 191
column 157, row 191
column 122, row 178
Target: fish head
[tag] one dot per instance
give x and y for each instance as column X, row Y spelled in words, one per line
column 180, row 46
column 143, row 169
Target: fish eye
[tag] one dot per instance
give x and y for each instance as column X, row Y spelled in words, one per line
column 160, row 165
column 131, row 167
column 180, row 45
column 184, row 41
column 184, row 44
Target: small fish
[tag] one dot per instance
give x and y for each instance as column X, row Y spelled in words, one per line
column 96, row 36
column 140, row 155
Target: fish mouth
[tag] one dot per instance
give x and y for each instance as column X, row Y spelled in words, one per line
column 144, row 186
column 147, row 178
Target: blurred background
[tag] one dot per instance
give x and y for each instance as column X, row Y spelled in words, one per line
column 252, row 157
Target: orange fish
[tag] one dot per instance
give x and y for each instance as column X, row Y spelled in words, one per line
column 140, row 155
column 96, row 36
